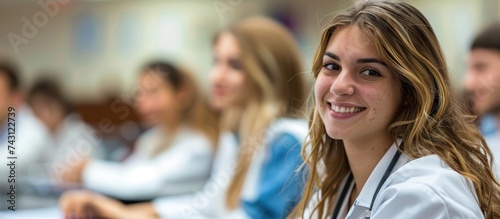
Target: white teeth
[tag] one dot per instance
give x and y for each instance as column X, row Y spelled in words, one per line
column 345, row 109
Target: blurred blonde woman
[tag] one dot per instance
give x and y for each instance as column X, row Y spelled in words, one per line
column 388, row 139
column 257, row 86
column 171, row 158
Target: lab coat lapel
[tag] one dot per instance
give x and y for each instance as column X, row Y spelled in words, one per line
column 362, row 204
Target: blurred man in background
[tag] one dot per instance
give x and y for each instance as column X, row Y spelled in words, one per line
column 31, row 138
column 71, row 138
column 482, row 83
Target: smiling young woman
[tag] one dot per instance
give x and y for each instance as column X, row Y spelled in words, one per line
column 387, row 137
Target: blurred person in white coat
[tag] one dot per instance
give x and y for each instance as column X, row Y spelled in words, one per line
column 70, row 136
column 173, row 157
column 20, row 129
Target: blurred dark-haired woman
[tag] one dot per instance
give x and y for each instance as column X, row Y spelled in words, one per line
column 174, row 157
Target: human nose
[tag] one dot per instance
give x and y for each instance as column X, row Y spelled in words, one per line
column 217, row 73
column 343, row 84
column 469, row 82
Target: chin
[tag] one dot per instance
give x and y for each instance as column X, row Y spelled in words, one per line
column 218, row 105
column 335, row 134
column 480, row 110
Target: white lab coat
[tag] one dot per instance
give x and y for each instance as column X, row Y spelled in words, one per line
column 74, row 136
column 31, row 147
column 73, row 140
column 182, row 168
column 210, row 201
column 422, row 188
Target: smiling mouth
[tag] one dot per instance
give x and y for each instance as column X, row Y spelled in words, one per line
column 343, row 109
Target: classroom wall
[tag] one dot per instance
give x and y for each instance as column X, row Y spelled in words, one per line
column 95, row 47
column 456, row 23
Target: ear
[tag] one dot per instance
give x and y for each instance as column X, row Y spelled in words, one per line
column 185, row 97
column 17, row 98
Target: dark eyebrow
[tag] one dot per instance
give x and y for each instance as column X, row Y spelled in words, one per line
column 369, row 60
column 331, row 55
column 479, row 65
column 365, row 60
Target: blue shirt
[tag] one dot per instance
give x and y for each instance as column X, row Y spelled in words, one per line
column 3, row 135
column 488, row 125
column 280, row 185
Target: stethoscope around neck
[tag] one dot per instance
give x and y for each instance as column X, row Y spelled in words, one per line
column 345, row 190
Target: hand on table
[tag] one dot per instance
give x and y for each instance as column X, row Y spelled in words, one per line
column 72, row 173
column 85, row 205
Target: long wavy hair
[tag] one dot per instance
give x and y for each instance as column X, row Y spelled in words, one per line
column 432, row 120
column 274, row 86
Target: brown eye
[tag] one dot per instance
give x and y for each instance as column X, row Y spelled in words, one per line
column 331, row 67
column 235, row 64
column 371, row 73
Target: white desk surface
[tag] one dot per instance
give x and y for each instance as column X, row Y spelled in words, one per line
column 42, row 213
